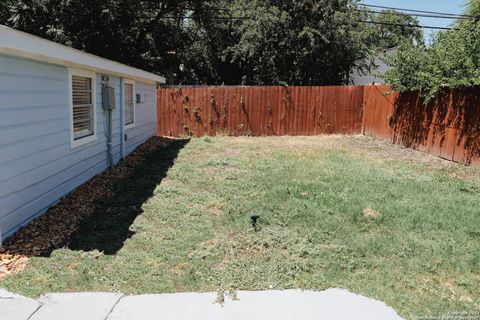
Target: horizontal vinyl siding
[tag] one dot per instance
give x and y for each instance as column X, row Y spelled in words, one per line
column 12, row 201
column 10, row 134
column 38, row 166
column 15, row 116
column 145, row 117
column 28, row 148
column 15, row 67
column 38, row 174
column 31, row 210
column 11, row 83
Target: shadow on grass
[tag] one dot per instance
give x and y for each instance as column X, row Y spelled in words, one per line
column 98, row 214
column 109, row 226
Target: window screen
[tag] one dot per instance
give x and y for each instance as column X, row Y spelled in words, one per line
column 129, row 104
column 83, row 117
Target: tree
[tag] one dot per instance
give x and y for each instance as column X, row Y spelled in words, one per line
column 452, row 60
column 295, row 42
column 5, row 11
column 391, row 29
column 298, row 42
column 143, row 33
column 38, row 17
column 292, row 42
column 210, row 33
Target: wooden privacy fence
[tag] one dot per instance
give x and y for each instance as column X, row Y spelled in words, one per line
column 448, row 126
column 259, row 110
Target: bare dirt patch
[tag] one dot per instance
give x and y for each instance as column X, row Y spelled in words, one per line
column 216, row 209
column 167, row 182
column 383, row 150
column 370, row 213
column 11, row 263
column 232, row 153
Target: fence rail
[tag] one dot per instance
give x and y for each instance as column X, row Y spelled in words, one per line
column 448, row 126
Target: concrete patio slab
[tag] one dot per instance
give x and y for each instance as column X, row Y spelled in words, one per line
column 76, row 306
column 167, row 306
column 332, row 304
column 15, row 307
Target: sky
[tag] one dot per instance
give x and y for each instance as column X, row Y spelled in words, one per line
column 444, row 6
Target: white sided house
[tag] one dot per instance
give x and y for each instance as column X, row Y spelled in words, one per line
column 65, row 116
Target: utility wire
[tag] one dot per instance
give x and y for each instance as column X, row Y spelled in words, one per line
column 211, row 18
column 404, row 25
column 360, row 21
column 420, row 11
column 435, row 14
column 430, row 14
column 413, row 14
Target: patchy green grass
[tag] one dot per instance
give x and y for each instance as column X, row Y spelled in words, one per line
column 421, row 255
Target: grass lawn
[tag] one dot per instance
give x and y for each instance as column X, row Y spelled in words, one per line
column 421, row 255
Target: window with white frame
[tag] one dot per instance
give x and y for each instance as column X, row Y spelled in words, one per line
column 129, row 93
column 83, row 105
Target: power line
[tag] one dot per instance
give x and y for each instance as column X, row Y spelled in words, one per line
column 211, row 18
column 404, row 25
column 427, row 14
column 433, row 14
column 412, row 14
column 361, row 21
column 421, row 11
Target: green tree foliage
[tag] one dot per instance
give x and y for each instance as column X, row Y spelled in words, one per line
column 283, row 42
column 4, row 10
column 211, row 31
column 452, row 60
column 385, row 30
column 295, row 42
column 391, row 29
column 299, row 42
column 143, row 33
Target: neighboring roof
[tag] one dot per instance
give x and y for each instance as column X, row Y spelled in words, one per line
column 14, row 42
column 374, row 76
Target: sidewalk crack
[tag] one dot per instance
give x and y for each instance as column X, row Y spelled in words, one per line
column 113, row 307
column 35, row 311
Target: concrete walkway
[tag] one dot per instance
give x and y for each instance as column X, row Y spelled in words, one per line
column 331, row 304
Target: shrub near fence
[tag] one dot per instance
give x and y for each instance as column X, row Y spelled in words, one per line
column 259, row 111
column 448, row 126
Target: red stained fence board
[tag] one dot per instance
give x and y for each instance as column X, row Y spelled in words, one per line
column 259, row 111
column 448, row 126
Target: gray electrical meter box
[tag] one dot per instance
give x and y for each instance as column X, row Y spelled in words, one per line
column 108, row 98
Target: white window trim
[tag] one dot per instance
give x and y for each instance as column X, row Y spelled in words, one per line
column 132, row 82
column 82, row 73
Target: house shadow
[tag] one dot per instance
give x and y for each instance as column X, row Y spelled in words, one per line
column 109, row 226
column 99, row 214
column 448, row 124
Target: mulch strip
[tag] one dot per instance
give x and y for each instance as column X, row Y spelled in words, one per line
column 53, row 229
